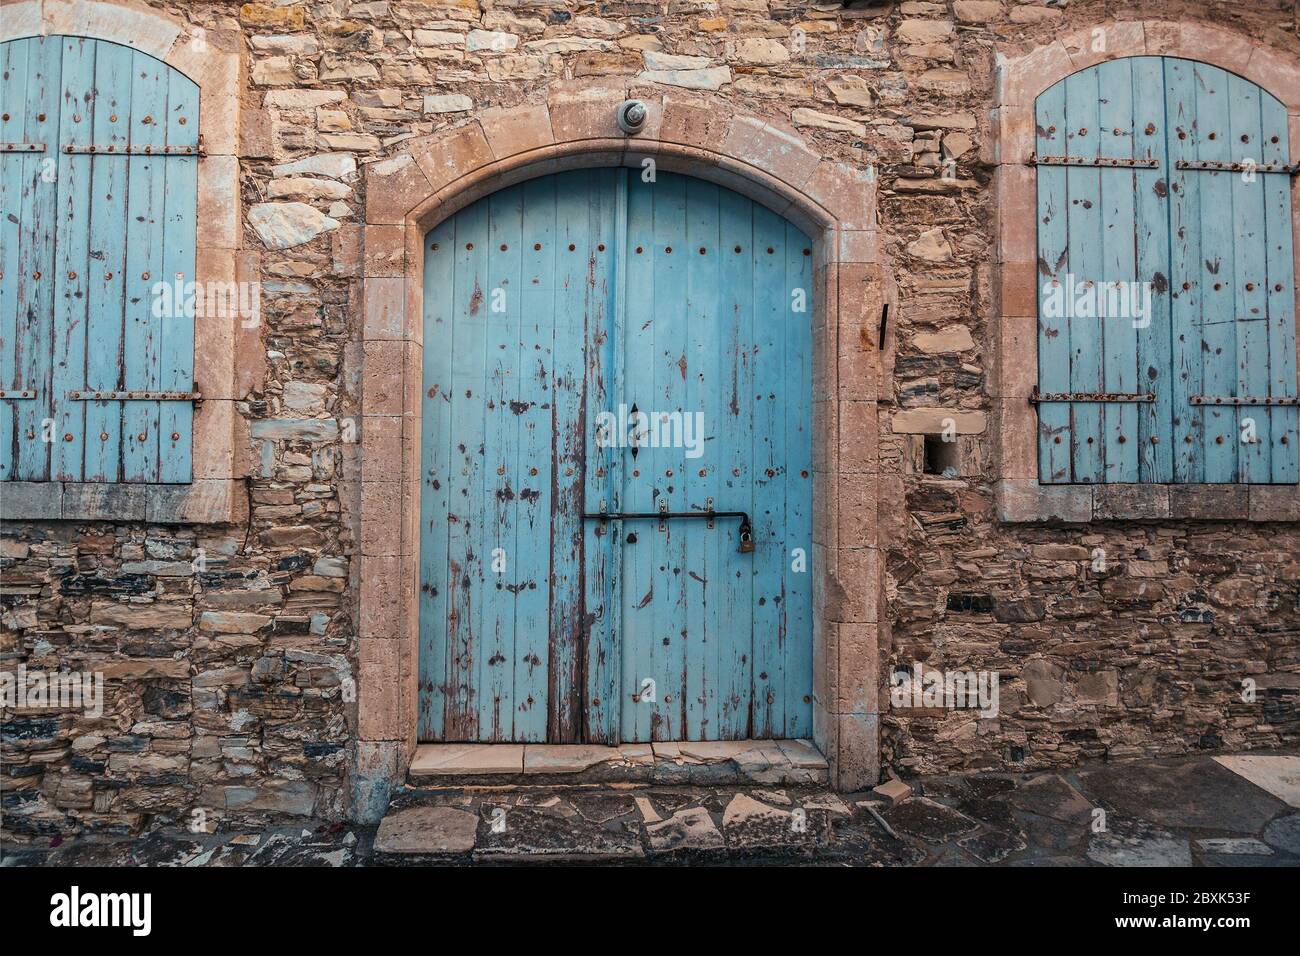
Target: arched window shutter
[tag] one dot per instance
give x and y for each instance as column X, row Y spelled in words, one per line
column 1168, row 178
column 99, row 199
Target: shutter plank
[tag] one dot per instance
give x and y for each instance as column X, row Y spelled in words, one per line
column 1084, row 231
column 14, row 58
column 1186, row 269
column 1280, row 282
column 435, row 479
column 1054, row 432
column 72, row 243
column 146, row 222
column 1218, row 272
column 106, row 285
column 1250, row 282
column 176, row 352
column 37, row 259
column 1154, row 352
column 1119, row 202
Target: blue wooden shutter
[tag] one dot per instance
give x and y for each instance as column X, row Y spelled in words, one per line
column 105, row 214
column 1124, row 401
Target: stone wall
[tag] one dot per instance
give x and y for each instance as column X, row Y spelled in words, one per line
column 230, row 675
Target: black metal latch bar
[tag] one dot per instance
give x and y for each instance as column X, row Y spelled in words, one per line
column 746, row 529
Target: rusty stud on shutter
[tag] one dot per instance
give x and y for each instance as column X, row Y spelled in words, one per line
column 72, row 275
column 40, row 117
column 537, row 246
column 601, row 247
column 103, row 436
column 1218, row 440
column 1056, row 440
column 469, row 246
column 182, row 121
column 176, row 436
column 144, row 275
column 1122, row 439
column 36, row 275
column 1155, row 440
column 572, row 247
column 1250, row 287
column 1151, row 128
column 1283, row 440
column 67, row 436
column 142, row 436
column 5, row 117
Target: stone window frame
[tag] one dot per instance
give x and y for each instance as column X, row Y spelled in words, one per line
column 1021, row 77
column 213, row 60
column 430, row 178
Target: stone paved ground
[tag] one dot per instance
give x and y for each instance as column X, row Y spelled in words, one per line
column 1201, row 811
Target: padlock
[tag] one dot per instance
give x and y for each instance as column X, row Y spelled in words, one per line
column 746, row 540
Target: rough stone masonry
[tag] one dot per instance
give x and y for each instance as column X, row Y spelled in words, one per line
column 229, row 649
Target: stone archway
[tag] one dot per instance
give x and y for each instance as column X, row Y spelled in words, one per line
column 433, row 177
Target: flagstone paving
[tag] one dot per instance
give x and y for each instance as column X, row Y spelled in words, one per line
column 1198, row 811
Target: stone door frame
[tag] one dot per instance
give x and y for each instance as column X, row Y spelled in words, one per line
column 432, row 177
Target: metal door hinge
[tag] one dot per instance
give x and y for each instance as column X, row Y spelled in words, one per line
column 22, row 147
column 18, row 394
column 1098, row 161
column 1199, row 165
column 1039, row 399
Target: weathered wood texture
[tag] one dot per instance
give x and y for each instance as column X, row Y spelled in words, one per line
column 86, row 239
column 547, row 304
column 1212, row 247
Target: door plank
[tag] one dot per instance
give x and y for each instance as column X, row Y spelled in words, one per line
column 533, row 525
column 436, row 686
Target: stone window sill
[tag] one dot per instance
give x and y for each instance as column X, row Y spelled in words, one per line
column 1025, row 501
column 206, row 501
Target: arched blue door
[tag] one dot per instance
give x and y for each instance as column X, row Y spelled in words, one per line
column 616, row 466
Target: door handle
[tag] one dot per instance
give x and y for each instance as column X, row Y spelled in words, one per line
column 746, row 529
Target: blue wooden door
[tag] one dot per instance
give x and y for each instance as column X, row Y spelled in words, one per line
column 1167, row 306
column 598, row 346
column 98, row 186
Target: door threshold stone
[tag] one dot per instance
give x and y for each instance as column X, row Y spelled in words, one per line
column 672, row 762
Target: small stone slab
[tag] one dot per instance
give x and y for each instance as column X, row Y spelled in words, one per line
column 1198, row 794
column 927, row 820
column 1280, row 776
column 544, row 834
column 992, row 846
column 426, row 829
column 746, row 823
column 691, row 829
column 1050, row 796
column 803, row 755
column 1235, row 846
column 446, row 760
column 566, row 758
column 1284, row 834
column 1110, row 849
